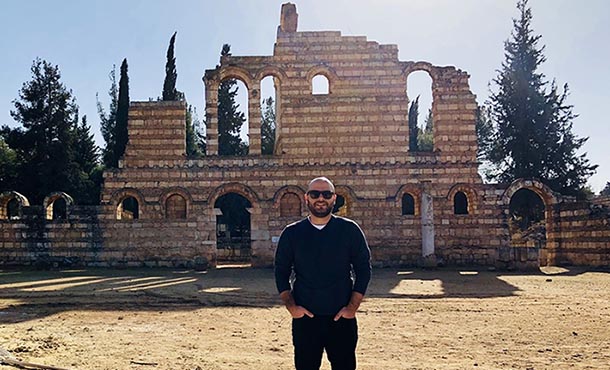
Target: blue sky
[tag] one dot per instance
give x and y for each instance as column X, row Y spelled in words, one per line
column 85, row 38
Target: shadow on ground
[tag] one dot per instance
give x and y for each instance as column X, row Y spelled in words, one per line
column 28, row 295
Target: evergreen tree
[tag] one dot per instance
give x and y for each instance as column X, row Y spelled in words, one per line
column 199, row 130
column 9, row 165
column 169, row 85
column 606, row 190
column 230, row 120
column 425, row 137
column 87, row 153
column 195, row 145
column 108, row 121
column 45, row 145
column 121, row 135
column 532, row 122
column 268, row 126
column 413, row 127
column 87, row 159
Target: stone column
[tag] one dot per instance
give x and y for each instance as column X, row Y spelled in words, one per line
column 254, row 119
column 427, row 227
column 211, row 115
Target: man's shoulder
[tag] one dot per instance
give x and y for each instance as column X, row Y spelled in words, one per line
column 295, row 225
column 344, row 221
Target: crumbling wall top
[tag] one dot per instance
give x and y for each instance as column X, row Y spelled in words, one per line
column 289, row 18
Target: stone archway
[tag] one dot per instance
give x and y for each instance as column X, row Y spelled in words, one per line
column 529, row 208
column 233, row 229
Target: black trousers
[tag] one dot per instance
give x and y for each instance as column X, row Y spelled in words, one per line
column 311, row 336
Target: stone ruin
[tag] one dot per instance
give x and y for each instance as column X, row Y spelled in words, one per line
column 160, row 208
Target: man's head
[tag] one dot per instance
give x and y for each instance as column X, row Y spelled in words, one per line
column 320, row 197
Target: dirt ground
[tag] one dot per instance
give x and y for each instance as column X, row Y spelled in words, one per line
column 229, row 318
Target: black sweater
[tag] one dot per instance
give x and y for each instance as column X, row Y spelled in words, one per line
column 322, row 261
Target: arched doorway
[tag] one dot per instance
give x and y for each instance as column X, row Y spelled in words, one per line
column 233, row 242
column 527, row 222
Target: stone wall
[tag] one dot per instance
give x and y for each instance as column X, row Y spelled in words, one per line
column 357, row 135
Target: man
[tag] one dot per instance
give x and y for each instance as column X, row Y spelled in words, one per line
column 323, row 250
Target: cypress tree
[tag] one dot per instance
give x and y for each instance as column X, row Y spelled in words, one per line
column 413, row 128
column 121, row 135
column 169, row 84
column 533, row 135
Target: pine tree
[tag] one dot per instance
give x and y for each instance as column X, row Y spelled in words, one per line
column 606, row 190
column 413, row 127
column 121, row 135
column 230, row 120
column 532, row 121
column 268, row 126
column 87, row 153
column 45, row 145
column 169, row 85
column 108, row 121
column 87, row 159
column 9, row 164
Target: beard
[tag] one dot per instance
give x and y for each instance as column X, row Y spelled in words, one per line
column 320, row 211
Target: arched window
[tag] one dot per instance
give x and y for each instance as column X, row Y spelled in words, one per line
column 408, row 204
column 290, row 205
column 175, row 207
column 128, row 209
column 56, row 206
column 419, row 93
column 320, row 85
column 268, row 114
column 12, row 209
column 233, row 118
column 460, row 203
column 59, row 209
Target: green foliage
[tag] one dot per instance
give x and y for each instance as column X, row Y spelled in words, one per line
column 268, row 126
column 108, row 121
column 413, row 127
column 606, row 190
column 425, row 137
column 230, row 120
column 420, row 140
column 532, row 132
column 121, row 135
column 52, row 151
column 169, row 84
column 9, row 164
column 195, row 140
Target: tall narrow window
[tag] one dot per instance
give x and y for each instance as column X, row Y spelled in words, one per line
column 460, row 203
column 268, row 114
column 233, row 118
column 419, row 93
column 408, row 204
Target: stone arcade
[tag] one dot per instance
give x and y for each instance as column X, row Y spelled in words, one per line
column 160, row 208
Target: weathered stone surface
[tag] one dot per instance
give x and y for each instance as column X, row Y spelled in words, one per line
column 357, row 135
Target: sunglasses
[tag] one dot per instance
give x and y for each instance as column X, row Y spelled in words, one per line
column 315, row 194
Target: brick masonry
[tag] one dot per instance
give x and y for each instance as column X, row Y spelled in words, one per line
column 357, row 135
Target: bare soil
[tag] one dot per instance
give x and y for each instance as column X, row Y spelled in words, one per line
column 229, row 318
